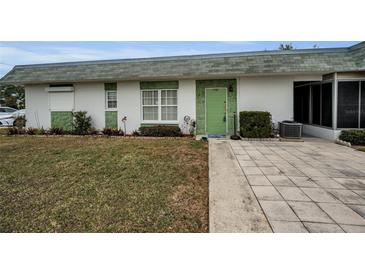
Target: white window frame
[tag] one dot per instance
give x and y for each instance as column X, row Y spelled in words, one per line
column 106, row 100
column 159, row 106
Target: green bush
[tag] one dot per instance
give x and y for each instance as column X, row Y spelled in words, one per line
column 255, row 124
column 41, row 131
column 81, row 123
column 355, row 137
column 160, row 131
column 20, row 121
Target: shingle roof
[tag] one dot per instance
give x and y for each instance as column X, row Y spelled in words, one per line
column 210, row 65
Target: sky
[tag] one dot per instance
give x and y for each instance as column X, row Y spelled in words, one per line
column 20, row 53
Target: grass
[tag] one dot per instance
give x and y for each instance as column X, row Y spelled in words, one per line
column 361, row 148
column 73, row 184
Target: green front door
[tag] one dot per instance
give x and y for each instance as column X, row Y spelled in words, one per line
column 216, row 110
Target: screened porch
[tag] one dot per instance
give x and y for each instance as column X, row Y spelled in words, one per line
column 335, row 103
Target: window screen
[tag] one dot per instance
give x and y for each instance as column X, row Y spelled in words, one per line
column 169, row 105
column 150, row 105
column 362, row 119
column 326, row 105
column 316, row 104
column 111, row 99
column 348, row 105
column 301, row 104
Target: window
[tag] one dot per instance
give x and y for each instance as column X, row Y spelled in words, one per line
column 159, row 105
column 316, row 104
column 348, row 105
column 313, row 103
column 110, row 95
column 111, row 99
column 362, row 118
column 301, row 104
column 169, row 105
column 150, row 105
column 326, row 105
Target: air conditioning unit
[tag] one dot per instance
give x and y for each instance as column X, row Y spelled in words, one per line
column 290, row 129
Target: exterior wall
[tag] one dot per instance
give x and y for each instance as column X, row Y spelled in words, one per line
column 90, row 97
column 270, row 93
column 186, row 102
column 321, row 132
column 37, row 106
column 129, row 104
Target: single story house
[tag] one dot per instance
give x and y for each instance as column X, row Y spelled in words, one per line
column 322, row 88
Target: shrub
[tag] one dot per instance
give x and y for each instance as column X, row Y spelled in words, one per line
column 81, row 123
column 31, row 131
column 4, row 131
column 56, row 131
column 255, row 124
column 41, row 131
column 160, row 131
column 355, row 137
column 19, row 122
column 93, row 131
column 113, row 132
column 15, row 131
column 136, row 133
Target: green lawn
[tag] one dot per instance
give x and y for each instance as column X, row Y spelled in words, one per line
column 73, row 184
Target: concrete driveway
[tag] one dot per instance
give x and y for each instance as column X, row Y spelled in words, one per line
column 265, row 186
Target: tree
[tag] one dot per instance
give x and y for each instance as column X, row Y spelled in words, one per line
column 286, row 47
column 12, row 96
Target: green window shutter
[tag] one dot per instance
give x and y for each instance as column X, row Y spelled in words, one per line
column 62, row 119
column 159, row 85
column 110, row 86
column 111, row 119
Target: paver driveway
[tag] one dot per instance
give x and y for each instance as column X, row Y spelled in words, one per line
column 310, row 186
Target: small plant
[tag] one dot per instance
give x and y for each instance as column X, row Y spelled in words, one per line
column 355, row 137
column 93, row 131
column 41, row 131
column 13, row 131
column 112, row 132
column 31, row 131
column 161, row 131
column 255, row 124
column 56, row 131
column 136, row 133
column 4, row 131
column 81, row 123
column 19, row 122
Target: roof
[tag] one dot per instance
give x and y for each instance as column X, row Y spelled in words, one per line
column 194, row 66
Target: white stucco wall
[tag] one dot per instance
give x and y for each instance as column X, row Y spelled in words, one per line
column 321, row 132
column 270, row 93
column 90, row 97
column 37, row 105
column 129, row 104
column 186, row 102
